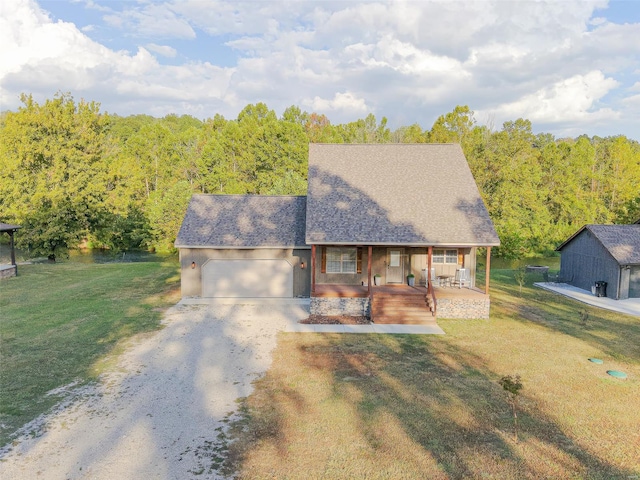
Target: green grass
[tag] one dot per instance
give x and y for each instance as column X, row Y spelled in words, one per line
column 383, row 406
column 59, row 323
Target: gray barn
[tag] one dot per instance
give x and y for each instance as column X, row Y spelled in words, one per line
column 609, row 253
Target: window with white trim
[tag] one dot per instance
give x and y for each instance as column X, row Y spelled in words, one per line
column 341, row 260
column 449, row 257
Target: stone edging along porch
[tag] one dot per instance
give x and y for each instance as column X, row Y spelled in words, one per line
column 453, row 302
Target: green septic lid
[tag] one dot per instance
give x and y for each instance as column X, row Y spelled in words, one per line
column 596, row 360
column 617, row 374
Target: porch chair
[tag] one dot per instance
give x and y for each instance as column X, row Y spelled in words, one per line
column 462, row 278
column 433, row 276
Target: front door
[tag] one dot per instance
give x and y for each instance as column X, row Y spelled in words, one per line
column 395, row 265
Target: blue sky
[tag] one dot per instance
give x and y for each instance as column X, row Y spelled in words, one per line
column 569, row 66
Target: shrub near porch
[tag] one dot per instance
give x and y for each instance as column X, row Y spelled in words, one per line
column 376, row 406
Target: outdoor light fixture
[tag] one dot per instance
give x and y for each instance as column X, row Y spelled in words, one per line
column 193, row 265
column 302, row 265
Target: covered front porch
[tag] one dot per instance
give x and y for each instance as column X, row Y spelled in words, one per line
column 383, row 265
column 374, row 281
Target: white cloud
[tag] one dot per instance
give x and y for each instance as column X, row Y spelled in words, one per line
column 153, row 20
column 556, row 63
column 164, row 50
column 572, row 99
column 345, row 102
column 633, row 102
column 40, row 56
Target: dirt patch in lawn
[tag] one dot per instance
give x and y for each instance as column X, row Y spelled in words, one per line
column 336, row 320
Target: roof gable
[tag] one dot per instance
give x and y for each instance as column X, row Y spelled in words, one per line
column 410, row 194
column 243, row 221
column 621, row 241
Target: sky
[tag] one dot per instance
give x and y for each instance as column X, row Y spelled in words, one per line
column 571, row 67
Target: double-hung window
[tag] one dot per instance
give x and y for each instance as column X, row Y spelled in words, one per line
column 341, row 260
column 442, row 256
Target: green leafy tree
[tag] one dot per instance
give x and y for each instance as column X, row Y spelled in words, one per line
column 165, row 211
column 52, row 178
column 366, row 130
column 452, row 127
column 411, row 134
column 71, row 173
column 319, row 130
column 122, row 232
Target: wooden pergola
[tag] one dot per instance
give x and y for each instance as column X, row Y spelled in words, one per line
column 10, row 230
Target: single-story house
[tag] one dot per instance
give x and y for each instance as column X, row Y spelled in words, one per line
column 603, row 253
column 373, row 213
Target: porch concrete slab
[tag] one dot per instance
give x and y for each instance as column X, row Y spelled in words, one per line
column 370, row 329
column 408, row 329
column 300, row 328
column 359, row 328
column 313, row 328
column 630, row 306
column 329, row 328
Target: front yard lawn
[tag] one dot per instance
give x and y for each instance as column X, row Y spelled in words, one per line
column 59, row 322
column 394, row 406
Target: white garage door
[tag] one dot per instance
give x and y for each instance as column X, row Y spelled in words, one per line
column 247, row 278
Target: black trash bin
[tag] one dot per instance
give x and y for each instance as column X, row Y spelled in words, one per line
column 601, row 289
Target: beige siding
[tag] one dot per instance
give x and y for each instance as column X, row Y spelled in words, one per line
column 341, row 278
column 419, row 264
column 415, row 260
column 191, row 278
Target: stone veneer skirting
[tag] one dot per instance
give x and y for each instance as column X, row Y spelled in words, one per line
column 463, row 308
column 8, row 271
column 447, row 307
column 340, row 306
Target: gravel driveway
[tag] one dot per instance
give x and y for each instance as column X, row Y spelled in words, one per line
column 157, row 413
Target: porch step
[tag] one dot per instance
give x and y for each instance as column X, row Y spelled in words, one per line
column 401, row 309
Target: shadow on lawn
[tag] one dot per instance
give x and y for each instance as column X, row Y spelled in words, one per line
column 616, row 334
column 450, row 407
column 163, row 412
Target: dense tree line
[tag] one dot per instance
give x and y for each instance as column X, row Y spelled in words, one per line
column 69, row 173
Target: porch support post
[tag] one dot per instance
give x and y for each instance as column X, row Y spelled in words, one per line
column 429, row 259
column 13, row 251
column 488, row 269
column 313, row 269
column 369, row 255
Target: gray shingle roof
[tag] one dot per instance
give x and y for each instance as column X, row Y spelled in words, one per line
column 622, row 241
column 243, row 221
column 394, row 194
